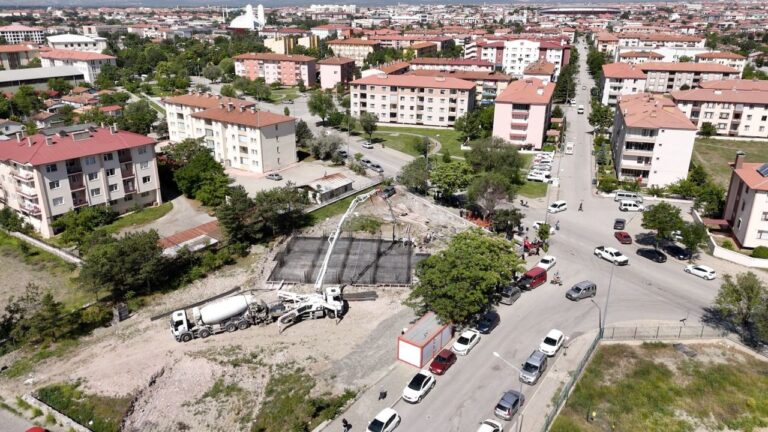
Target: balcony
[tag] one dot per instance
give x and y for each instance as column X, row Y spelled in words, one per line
column 124, row 156
column 520, row 115
column 127, row 173
column 637, row 152
column 633, row 164
column 129, row 187
column 26, row 192
column 30, row 209
column 23, row 175
column 76, row 182
column 640, row 138
column 74, row 168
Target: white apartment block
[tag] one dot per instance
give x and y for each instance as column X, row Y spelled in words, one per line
column 179, row 110
column 668, row 77
column 17, row 34
column 652, row 140
column 46, row 175
column 518, row 54
column 247, row 139
column 75, row 42
column 736, row 61
column 89, row 63
column 741, row 113
column 409, row 99
column 356, row 49
column 620, row 79
column 450, row 64
column 746, row 203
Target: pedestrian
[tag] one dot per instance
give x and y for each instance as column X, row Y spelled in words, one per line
column 345, row 424
column 581, row 206
column 537, row 251
column 382, row 393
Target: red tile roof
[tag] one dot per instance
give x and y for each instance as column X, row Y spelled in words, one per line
column 749, row 175
column 352, row 41
column 16, row 48
column 69, row 147
column 336, row 61
column 74, row 55
column 530, row 91
column 644, row 110
column 686, row 67
column 394, row 67
column 721, row 55
column 204, row 101
column 641, row 54
column 735, row 84
column 622, row 70
column 416, row 81
column 464, row 75
column 727, row 96
column 245, row 117
column 274, row 57
column 439, row 61
column 541, row 67
column 209, row 229
column 19, row 27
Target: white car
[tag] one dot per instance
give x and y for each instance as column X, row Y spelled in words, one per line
column 558, row 206
column 490, row 426
column 547, row 262
column 385, row 421
column 419, row 386
column 701, row 271
column 466, row 341
column 611, row 254
column 537, row 224
column 537, row 176
column 367, row 145
column 552, row 342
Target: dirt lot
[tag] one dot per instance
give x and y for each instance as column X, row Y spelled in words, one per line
column 217, row 383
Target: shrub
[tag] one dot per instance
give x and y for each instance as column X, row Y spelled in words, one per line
column 727, row 244
column 760, row 252
column 656, row 191
column 607, row 185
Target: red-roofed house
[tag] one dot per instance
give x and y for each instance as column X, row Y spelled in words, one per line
column 732, row 112
column 286, row 69
column 335, row 70
column 179, row 110
column 46, row 175
column 621, row 79
column 746, row 204
column 89, row 63
column 522, row 112
column 664, row 77
column 408, row 99
column 16, row 56
column 736, row 61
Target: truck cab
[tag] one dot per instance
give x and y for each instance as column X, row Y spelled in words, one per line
column 180, row 326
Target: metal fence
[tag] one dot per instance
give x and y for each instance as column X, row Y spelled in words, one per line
column 663, row 333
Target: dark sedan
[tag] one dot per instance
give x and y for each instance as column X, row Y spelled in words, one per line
column 652, row 254
column 619, row 224
column 677, row 251
column 487, row 322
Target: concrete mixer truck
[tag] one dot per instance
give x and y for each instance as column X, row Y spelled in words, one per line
column 237, row 312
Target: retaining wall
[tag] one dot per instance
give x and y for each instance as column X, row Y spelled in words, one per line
column 61, row 418
column 66, row 256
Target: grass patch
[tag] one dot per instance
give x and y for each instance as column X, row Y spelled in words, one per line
column 25, row 364
column 533, row 189
column 715, row 155
column 140, row 217
column 334, row 209
column 10, row 409
column 367, row 224
column 449, row 138
column 284, row 93
column 104, row 412
column 221, row 390
column 30, row 255
column 654, row 388
column 402, row 143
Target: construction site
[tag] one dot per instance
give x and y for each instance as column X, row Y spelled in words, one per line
column 327, row 300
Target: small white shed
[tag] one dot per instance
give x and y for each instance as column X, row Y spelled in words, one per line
column 423, row 340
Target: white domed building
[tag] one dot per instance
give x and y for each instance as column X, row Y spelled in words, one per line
column 249, row 20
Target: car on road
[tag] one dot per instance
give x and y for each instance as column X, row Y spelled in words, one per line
column 388, row 191
column 619, row 224
column 583, row 87
column 536, row 224
column 444, row 360
column 487, row 322
column 581, row 290
column 558, row 206
column 420, row 385
column 611, row 254
column 509, row 294
column 274, row 176
column 701, row 271
column 367, row 145
column 365, row 161
column 623, row 237
column 533, row 368
column 547, row 262
column 385, row 421
column 490, row 426
column 627, row 206
column 343, row 154
column 288, row 101
column 509, row 404
column 652, row 254
column 569, row 148
column 466, row 341
column 552, row 342
column 678, row 252
column 376, row 167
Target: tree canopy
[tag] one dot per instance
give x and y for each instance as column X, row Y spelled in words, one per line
column 415, row 176
column 321, row 104
column 452, row 177
column 662, row 218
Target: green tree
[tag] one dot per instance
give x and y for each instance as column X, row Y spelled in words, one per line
column 213, row 189
column 488, row 189
column 60, row 85
column 280, row 210
column 460, row 281
column 662, row 218
column 286, row 111
column 368, row 124
column 182, row 152
column 506, row 221
column 685, row 59
column 710, row 199
column 557, row 112
column 493, row 154
column 302, row 87
column 66, row 114
column 707, row 129
column 26, row 101
column 227, row 66
column 741, row 300
column 601, row 116
column 116, row 98
column 138, row 117
column 415, row 176
column 543, row 232
column 202, row 167
column 49, row 322
column 228, row 91
column 171, row 76
column 694, row 236
column 321, row 105
column 78, row 225
column 450, row 178
column 303, row 133
column 108, row 75
column 235, row 217
column 324, row 147
column 469, row 126
column 212, row 72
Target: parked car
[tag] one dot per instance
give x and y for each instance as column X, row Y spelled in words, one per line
column 623, row 237
column 444, row 360
column 611, row 254
column 420, row 385
column 532, row 278
column 490, row 426
column 627, row 205
column 547, row 262
column 619, row 224
column 701, row 271
column 558, row 206
column 365, row 161
column 388, row 191
column 552, row 342
column 487, row 322
column 367, row 145
column 343, row 154
column 509, row 405
column 582, row 290
column 537, row 176
column 509, row 294
column 678, row 252
column 385, row 421
column 376, row 167
column 466, row 341
column 533, row 368
column 652, row 254
column 274, row 176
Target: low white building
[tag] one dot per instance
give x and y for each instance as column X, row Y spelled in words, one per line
column 89, row 63
column 75, row 42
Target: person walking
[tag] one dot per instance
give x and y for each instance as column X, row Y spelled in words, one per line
column 581, row 206
column 345, row 424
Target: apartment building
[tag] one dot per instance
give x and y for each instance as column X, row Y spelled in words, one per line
column 335, row 70
column 46, row 175
column 746, row 202
column 742, row 113
column 179, row 110
column 652, row 140
column 451, row 64
column 356, row 49
column 541, row 69
column 488, row 85
column 667, row 77
column 408, row 99
column 637, row 57
column 522, row 112
column 613, row 44
column 520, row 53
column 286, row 44
column 285, row 69
column 422, row 49
column 18, row 34
column 492, row 52
column 620, row 79
column 89, row 63
column 725, row 58
column 97, row 29
column 76, row 42
column 16, row 56
column 247, row 139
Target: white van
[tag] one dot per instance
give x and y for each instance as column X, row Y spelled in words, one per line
column 630, row 206
column 580, row 109
column 627, row 196
column 569, row 148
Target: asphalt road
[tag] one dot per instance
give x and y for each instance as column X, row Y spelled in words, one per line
column 643, row 290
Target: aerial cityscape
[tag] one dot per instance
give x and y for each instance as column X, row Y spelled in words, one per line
column 383, row 217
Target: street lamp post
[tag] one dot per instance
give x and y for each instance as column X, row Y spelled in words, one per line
column 599, row 315
column 498, row 356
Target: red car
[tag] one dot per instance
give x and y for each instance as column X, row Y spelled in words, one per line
column 442, row 362
column 623, row 237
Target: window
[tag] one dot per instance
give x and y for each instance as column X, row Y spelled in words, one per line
column 58, row 201
column 146, row 179
column 93, row 176
column 110, row 172
column 765, row 216
column 53, row 185
column 128, row 198
column 95, row 192
column 113, row 188
column 144, row 165
column 51, row 168
column 707, row 115
column 722, row 126
column 108, row 156
column 749, row 116
column 724, row 116
column 143, row 150
column 90, row 160
column 762, row 235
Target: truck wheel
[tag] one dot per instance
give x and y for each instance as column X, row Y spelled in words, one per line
column 186, row 337
column 230, row 327
column 242, row 325
column 332, row 314
column 204, row 333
